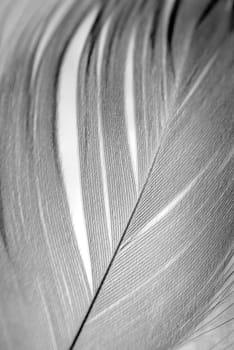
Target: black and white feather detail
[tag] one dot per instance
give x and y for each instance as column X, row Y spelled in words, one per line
column 116, row 174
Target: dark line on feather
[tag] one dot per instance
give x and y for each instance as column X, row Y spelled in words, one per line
column 231, row 22
column 93, row 37
column 143, row 4
column 96, row 295
column 30, row 88
column 154, row 27
column 214, row 328
column 30, row 113
column 209, row 7
column 120, row 21
column 2, row 224
column 112, row 39
column 171, row 25
column 113, row 257
column 128, row 10
column 209, row 322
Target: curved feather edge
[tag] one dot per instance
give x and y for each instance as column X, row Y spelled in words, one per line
column 170, row 258
column 160, row 235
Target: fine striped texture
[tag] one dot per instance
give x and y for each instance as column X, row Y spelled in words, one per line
column 116, row 174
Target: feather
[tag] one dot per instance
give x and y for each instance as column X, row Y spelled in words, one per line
column 116, row 174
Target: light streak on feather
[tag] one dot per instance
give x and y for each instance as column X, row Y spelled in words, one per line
column 68, row 96
column 177, row 199
column 166, row 266
column 64, row 296
column 51, row 329
column 129, row 243
column 169, row 263
column 170, row 206
column 168, row 9
column 198, row 81
column 52, row 25
column 100, row 134
column 46, row 235
column 68, row 141
column 226, row 160
column 45, row 231
column 68, row 294
column 18, row 164
column 130, row 106
column 160, row 216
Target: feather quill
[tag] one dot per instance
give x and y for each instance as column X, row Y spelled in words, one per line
column 144, row 259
